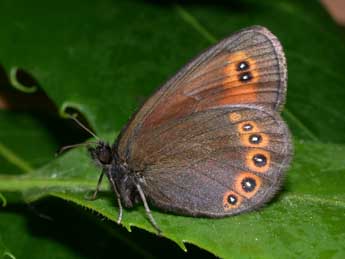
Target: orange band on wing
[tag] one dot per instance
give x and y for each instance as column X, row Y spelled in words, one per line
column 241, row 76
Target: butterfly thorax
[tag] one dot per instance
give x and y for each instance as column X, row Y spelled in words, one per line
column 119, row 174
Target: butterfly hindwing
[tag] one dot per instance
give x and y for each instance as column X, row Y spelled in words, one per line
column 215, row 163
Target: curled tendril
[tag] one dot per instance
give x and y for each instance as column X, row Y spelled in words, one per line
column 8, row 254
column 17, row 84
column 3, row 199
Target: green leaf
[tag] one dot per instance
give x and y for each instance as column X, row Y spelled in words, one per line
column 19, row 134
column 17, row 241
column 24, row 132
column 103, row 57
column 54, row 229
column 305, row 221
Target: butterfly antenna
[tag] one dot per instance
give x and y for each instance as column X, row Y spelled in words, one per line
column 64, row 148
column 84, row 127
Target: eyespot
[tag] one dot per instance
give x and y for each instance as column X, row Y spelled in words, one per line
column 243, row 65
column 238, row 65
column 255, row 140
column 245, row 77
column 234, row 60
column 247, row 127
column 258, row 160
column 231, row 200
column 247, row 184
column 234, row 116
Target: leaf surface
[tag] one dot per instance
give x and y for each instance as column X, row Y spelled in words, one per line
column 103, row 62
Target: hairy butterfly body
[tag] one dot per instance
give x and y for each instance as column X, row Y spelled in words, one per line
column 210, row 142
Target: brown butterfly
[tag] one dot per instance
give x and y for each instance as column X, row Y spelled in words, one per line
column 210, row 142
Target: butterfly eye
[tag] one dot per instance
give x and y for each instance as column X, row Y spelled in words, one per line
column 104, row 154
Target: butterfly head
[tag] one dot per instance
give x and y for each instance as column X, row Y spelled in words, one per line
column 103, row 154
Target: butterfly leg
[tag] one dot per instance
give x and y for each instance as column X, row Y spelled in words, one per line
column 94, row 195
column 147, row 209
column 113, row 184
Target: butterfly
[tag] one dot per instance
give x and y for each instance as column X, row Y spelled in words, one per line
column 210, row 142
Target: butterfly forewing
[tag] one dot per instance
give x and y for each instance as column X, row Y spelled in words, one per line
column 247, row 68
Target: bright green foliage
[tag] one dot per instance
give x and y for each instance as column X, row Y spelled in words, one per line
column 104, row 57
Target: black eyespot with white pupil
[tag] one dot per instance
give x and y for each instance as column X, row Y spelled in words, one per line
column 247, row 127
column 232, row 199
column 243, row 65
column 245, row 77
column 248, row 184
column 260, row 160
column 255, row 139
